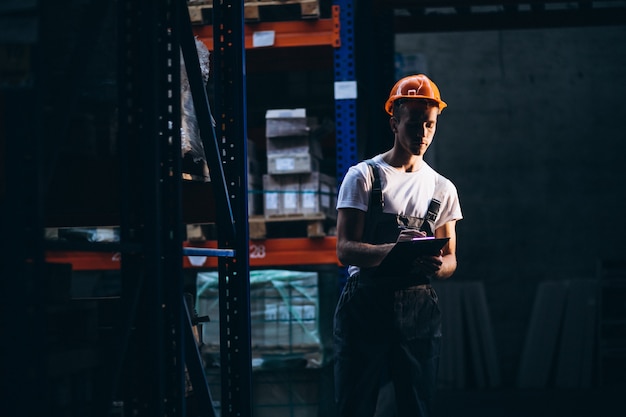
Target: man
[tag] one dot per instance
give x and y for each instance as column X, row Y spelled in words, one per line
column 388, row 328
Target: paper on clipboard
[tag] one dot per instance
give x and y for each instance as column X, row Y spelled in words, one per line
column 400, row 259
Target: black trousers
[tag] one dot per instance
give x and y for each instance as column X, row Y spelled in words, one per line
column 387, row 344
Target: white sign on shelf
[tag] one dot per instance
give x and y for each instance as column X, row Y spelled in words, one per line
column 345, row 90
column 197, row 260
column 263, row 38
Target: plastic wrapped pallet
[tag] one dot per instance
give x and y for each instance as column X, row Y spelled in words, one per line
column 283, row 309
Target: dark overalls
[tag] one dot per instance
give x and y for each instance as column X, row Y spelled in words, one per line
column 387, row 334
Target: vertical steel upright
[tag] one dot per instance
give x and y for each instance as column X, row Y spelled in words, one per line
column 234, row 273
column 149, row 143
column 345, row 108
column 375, row 62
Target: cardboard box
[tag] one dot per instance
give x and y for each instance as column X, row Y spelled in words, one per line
column 293, row 145
column 271, row 195
column 318, row 194
column 290, row 194
column 286, row 122
column 279, row 164
column 255, row 201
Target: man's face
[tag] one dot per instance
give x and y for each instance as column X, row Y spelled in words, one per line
column 414, row 126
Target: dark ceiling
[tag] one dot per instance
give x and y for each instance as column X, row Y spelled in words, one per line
column 412, row 16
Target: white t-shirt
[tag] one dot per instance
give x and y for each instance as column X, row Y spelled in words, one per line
column 405, row 193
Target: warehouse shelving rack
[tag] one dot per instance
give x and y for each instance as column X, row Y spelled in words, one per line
column 151, row 252
column 155, row 349
column 336, row 32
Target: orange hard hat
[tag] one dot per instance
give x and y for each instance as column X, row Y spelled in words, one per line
column 414, row 86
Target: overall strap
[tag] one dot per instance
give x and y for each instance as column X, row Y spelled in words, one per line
column 376, row 202
column 428, row 225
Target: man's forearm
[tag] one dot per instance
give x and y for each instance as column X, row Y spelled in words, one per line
column 362, row 254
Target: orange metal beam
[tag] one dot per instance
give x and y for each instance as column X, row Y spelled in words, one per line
column 270, row 252
column 86, row 261
column 291, row 33
column 277, row 252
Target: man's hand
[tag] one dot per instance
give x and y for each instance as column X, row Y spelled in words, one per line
column 408, row 234
column 428, row 265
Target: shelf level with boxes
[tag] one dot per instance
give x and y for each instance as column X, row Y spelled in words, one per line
column 282, row 34
column 201, row 11
column 302, row 35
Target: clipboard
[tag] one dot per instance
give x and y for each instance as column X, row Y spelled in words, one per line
column 399, row 260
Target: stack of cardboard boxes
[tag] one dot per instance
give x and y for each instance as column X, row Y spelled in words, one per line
column 294, row 184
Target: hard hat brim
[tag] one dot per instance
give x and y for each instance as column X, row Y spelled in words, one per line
column 389, row 104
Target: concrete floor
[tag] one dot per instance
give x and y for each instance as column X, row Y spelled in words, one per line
column 607, row 402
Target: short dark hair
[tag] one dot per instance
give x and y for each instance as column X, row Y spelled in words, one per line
column 400, row 101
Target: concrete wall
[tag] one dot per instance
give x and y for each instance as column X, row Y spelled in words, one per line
column 533, row 138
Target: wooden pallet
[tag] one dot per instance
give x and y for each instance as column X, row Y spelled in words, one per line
column 201, row 13
column 289, row 225
column 279, row 10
